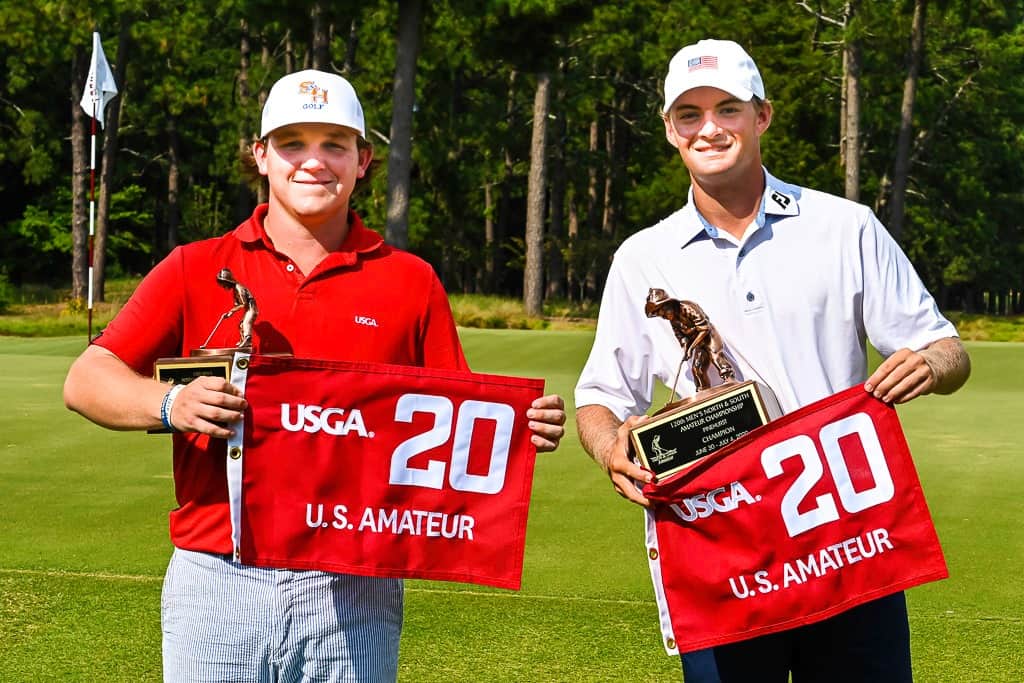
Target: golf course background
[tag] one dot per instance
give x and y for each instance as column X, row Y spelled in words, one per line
column 83, row 540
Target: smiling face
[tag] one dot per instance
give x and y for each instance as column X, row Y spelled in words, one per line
column 312, row 169
column 717, row 135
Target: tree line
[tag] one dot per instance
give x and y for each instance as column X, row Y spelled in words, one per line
column 519, row 141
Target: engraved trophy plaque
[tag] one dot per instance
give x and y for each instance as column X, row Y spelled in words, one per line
column 683, row 432
column 205, row 361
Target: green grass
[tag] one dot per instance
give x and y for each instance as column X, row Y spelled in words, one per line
column 989, row 327
column 46, row 311
column 41, row 311
column 496, row 312
column 83, row 541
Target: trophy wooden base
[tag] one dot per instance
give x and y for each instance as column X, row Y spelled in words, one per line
column 684, row 432
column 202, row 363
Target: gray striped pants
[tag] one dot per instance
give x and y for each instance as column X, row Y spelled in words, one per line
column 224, row 621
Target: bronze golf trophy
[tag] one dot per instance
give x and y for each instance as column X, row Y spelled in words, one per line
column 683, row 432
column 205, row 361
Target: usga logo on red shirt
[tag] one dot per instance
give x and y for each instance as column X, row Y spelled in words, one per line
column 717, row 500
column 313, row 419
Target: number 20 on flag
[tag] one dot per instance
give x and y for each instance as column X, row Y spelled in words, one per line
column 459, row 477
column 823, row 509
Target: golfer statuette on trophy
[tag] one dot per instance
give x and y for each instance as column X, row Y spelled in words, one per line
column 205, row 361
column 683, row 432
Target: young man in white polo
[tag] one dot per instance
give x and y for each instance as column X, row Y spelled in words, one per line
column 796, row 282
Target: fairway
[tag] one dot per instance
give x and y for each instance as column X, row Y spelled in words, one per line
column 83, row 541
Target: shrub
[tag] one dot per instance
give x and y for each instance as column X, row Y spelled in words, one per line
column 492, row 312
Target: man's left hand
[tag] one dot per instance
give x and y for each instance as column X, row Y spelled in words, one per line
column 902, row 376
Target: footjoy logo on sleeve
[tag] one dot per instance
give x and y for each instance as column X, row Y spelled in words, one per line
column 706, row 504
column 313, row 419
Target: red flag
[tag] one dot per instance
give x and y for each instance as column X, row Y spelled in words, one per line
column 813, row 514
column 386, row 470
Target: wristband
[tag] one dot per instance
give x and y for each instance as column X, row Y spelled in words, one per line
column 167, row 404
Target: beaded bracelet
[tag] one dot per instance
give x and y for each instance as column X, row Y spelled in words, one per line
column 167, row 404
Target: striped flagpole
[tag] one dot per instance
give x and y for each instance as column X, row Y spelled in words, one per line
column 99, row 88
column 92, row 214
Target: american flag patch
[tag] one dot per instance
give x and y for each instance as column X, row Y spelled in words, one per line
column 702, row 63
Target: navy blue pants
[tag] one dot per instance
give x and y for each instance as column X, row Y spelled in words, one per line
column 869, row 643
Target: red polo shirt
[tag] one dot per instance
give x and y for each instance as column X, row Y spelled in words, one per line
column 365, row 302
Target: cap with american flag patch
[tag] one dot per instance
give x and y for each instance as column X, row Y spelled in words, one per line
column 720, row 64
column 704, row 62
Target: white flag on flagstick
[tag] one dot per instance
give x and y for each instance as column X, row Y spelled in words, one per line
column 99, row 87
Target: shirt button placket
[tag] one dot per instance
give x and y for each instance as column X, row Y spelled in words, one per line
column 750, row 299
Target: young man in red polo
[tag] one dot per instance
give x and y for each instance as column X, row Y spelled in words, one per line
column 325, row 286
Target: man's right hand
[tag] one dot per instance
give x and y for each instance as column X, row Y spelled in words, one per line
column 623, row 472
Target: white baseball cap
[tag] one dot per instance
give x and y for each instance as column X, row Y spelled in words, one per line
column 719, row 64
column 312, row 96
